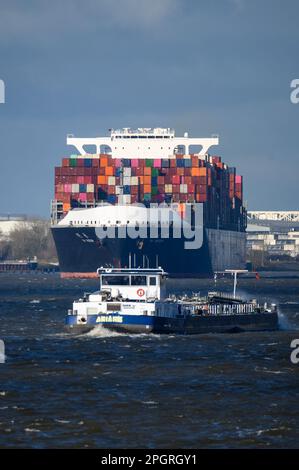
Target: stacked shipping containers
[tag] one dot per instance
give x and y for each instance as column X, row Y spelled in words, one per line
column 86, row 180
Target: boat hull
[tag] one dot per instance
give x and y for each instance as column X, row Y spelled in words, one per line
column 81, row 252
column 185, row 325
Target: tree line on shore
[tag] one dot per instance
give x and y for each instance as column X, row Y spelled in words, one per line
column 27, row 240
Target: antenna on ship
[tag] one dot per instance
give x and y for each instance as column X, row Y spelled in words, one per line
column 235, row 273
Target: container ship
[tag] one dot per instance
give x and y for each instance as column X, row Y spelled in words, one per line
column 110, row 206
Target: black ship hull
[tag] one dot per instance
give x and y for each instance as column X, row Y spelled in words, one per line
column 81, row 252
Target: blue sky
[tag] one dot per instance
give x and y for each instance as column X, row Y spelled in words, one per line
column 214, row 66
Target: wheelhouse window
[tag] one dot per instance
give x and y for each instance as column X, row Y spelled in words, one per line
column 138, row 280
column 115, row 280
column 153, row 281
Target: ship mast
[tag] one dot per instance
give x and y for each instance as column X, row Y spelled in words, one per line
column 235, row 273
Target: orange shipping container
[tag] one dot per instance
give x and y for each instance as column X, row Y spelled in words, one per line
column 104, row 161
column 147, row 171
column 147, row 180
column 195, row 171
column 109, row 171
column 102, row 179
column 147, row 188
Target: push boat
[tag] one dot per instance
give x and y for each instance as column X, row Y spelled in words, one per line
column 134, row 301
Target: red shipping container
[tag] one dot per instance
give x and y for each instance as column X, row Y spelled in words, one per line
column 95, row 162
column 176, row 179
column 65, row 162
column 90, row 197
column 134, row 163
column 201, row 197
column 117, row 162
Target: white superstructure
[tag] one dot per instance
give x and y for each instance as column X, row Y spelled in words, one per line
column 142, row 143
column 107, row 215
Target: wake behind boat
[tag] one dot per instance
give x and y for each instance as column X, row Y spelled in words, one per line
column 134, row 301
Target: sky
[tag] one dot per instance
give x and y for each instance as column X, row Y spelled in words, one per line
column 203, row 66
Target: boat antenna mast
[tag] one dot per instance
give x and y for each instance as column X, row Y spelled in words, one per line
column 235, row 272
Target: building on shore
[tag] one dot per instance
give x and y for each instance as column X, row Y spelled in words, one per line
column 276, row 233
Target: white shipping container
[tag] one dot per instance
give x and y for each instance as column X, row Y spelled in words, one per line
column 134, row 180
column 75, row 188
column 125, row 199
column 117, row 189
column 127, row 171
column 127, row 180
column 183, row 188
column 111, row 180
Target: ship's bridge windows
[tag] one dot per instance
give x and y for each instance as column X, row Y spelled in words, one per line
column 115, row 280
column 138, row 280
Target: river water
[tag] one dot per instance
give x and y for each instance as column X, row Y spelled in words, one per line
column 108, row 390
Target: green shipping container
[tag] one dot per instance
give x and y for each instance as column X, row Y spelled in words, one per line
column 149, row 162
column 73, row 162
